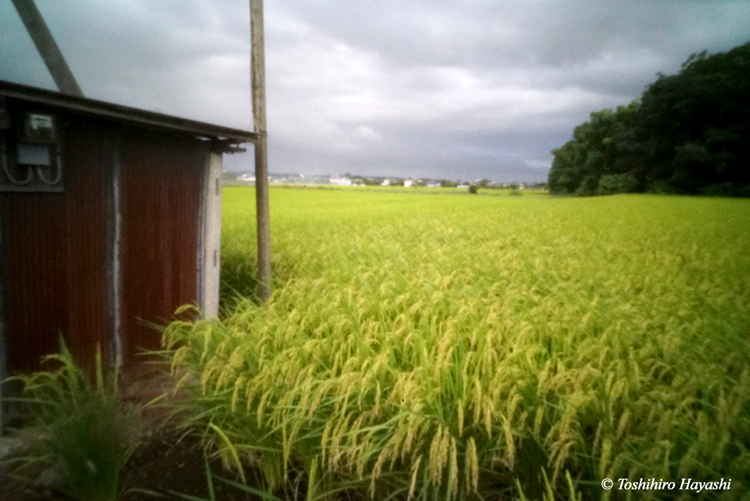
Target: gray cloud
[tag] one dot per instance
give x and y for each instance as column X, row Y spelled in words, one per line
column 459, row 89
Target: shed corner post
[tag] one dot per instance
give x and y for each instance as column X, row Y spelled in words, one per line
column 211, row 258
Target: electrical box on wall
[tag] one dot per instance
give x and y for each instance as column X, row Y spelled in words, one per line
column 30, row 152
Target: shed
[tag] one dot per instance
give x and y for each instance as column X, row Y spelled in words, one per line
column 109, row 219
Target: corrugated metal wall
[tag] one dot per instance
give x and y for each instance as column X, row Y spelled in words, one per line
column 162, row 183
column 55, row 256
column 58, row 249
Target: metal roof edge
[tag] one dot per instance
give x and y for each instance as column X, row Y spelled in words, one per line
column 124, row 114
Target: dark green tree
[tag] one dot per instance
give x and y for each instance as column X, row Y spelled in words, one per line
column 604, row 145
column 687, row 134
column 695, row 125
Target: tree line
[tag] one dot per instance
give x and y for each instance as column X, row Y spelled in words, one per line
column 688, row 133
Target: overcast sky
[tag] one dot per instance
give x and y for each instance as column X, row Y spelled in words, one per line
column 459, row 89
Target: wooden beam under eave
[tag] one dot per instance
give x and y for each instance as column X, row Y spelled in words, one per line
column 48, row 49
column 258, row 85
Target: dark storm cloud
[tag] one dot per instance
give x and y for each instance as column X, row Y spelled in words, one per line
column 523, row 33
column 459, row 89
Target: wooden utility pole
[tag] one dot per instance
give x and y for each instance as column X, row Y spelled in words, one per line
column 258, row 80
column 48, row 49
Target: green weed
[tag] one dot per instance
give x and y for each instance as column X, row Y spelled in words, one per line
column 76, row 427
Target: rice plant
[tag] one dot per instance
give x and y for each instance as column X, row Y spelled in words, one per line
column 457, row 347
column 76, row 427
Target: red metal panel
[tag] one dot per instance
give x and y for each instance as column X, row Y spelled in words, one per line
column 91, row 147
column 34, row 273
column 162, row 181
column 55, row 256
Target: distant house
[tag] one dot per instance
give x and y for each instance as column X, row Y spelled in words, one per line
column 408, row 183
column 340, row 181
column 463, row 186
column 386, row 182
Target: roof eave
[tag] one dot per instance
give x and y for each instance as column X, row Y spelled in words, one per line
column 125, row 114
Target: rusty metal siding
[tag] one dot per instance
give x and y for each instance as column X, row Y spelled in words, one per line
column 162, row 178
column 118, row 248
column 54, row 256
column 90, row 148
column 33, row 257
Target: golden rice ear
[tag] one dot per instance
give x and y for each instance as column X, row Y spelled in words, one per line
column 471, row 465
column 542, row 330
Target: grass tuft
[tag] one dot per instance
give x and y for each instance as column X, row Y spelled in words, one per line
column 75, row 427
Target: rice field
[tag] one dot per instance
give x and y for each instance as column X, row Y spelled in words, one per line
column 429, row 346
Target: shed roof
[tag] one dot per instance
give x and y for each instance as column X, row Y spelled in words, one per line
column 123, row 114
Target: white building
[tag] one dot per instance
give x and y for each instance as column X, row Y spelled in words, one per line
column 340, row 181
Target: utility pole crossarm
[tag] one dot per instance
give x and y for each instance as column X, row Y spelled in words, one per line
column 48, row 49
